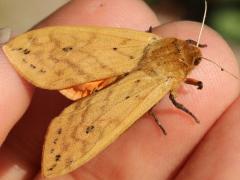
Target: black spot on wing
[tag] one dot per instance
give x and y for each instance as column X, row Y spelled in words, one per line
column 32, row 66
column 57, row 157
column 53, row 166
column 26, row 51
column 67, row 49
column 89, row 129
column 127, row 97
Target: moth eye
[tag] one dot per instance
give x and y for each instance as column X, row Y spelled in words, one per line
column 197, row 61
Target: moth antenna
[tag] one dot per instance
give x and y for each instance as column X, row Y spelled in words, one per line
column 198, row 43
column 222, row 69
column 203, row 23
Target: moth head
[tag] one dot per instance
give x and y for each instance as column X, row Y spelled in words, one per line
column 191, row 54
column 185, row 52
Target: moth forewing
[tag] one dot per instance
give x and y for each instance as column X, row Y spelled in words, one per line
column 64, row 56
column 109, row 113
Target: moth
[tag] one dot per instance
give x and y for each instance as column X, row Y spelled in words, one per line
column 136, row 69
column 115, row 75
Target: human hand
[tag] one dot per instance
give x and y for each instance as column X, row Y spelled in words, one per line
column 142, row 152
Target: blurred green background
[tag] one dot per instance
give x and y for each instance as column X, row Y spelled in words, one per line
column 222, row 15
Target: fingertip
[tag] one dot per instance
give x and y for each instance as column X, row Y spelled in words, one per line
column 220, row 144
column 15, row 96
column 133, row 14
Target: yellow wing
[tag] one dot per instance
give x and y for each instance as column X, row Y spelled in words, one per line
column 87, row 126
column 60, row 57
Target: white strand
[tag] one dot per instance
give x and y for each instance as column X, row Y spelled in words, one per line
column 203, row 22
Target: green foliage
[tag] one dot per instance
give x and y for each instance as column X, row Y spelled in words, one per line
column 227, row 22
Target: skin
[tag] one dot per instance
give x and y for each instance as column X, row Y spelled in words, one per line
column 189, row 151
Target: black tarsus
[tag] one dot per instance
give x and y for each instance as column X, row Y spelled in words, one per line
column 182, row 107
column 157, row 121
column 194, row 82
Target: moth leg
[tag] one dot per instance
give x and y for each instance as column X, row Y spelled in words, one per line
column 190, row 41
column 150, row 29
column 194, row 82
column 182, row 107
column 157, row 121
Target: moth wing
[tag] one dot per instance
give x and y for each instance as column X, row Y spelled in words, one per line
column 77, row 92
column 89, row 125
column 63, row 56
